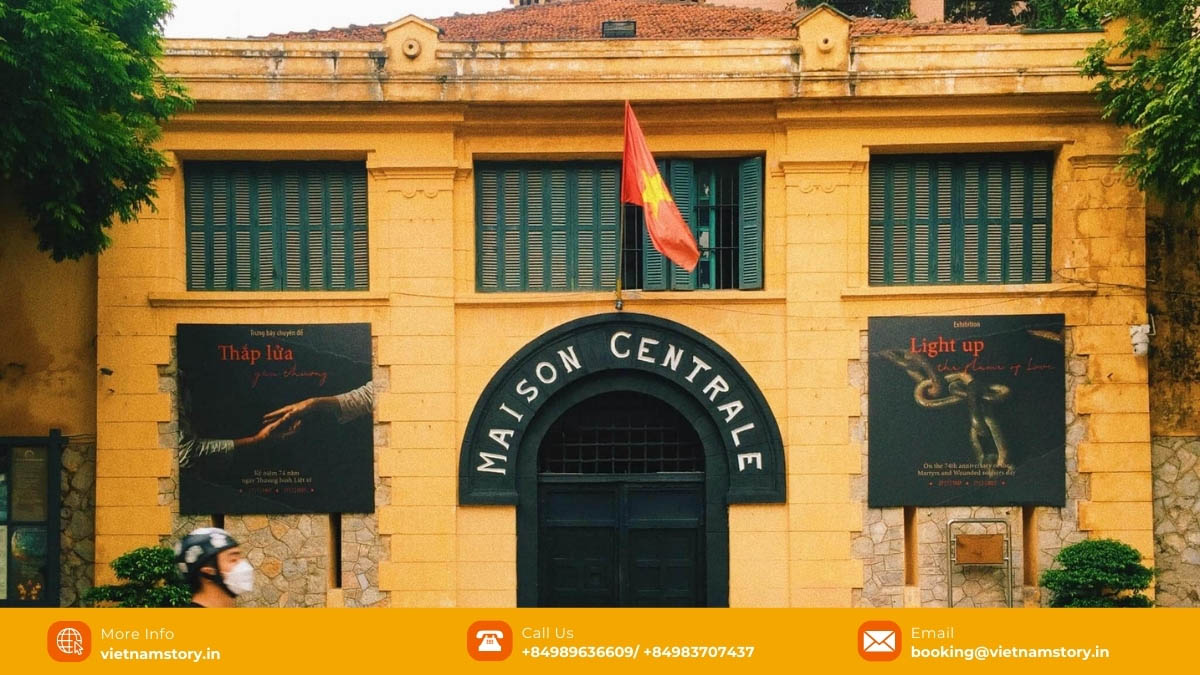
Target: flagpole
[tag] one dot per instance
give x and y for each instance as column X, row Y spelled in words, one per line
column 620, row 304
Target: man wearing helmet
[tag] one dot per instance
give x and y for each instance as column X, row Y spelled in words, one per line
column 211, row 561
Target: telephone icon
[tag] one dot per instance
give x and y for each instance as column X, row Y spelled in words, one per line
column 489, row 640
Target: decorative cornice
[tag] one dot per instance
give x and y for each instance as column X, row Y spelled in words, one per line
column 799, row 166
column 230, row 299
column 446, row 172
column 1094, row 161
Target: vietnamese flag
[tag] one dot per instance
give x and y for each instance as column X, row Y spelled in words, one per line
column 642, row 184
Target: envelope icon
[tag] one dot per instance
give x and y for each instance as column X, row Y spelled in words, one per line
column 879, row 641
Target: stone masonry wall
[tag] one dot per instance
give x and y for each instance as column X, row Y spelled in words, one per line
column 78, row 522
column 1057, row 528
column 1176, row 466
column 880, row 545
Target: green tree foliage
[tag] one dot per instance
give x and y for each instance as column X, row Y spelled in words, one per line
column 151, row 580
column 83, row 101
column 991, row 11
column 1158, row 95
column 1039, row 14
column 1098, row 573
column 1060, row 15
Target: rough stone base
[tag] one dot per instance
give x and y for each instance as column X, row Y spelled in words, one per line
column 1176, row 466
column 78, row 523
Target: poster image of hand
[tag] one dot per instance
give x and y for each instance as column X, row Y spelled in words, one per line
column 275, row 419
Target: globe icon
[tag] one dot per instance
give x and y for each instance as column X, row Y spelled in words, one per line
column 70, row 641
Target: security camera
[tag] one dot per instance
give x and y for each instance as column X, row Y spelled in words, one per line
column 1140, row 337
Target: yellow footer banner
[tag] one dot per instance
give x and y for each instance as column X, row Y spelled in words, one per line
column 600, row 640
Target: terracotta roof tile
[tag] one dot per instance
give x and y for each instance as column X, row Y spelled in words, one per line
column 656, row 19
column 863, row 27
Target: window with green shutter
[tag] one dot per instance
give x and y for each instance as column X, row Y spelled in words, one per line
column 544, row 226
column 276, row 225
column 960, row 219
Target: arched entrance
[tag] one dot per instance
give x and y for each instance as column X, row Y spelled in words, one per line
column 622, row 439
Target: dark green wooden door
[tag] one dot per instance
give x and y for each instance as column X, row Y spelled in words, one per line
column 633, row 542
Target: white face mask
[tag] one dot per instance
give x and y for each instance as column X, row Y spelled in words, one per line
column 240, row 579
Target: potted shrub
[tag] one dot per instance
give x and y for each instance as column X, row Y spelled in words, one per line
column 151, row 580
column 1098, row 573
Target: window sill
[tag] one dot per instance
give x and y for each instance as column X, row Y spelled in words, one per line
column 630, row 297
column 270, row 299
column 965, row 291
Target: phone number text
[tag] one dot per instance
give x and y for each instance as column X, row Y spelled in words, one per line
column 634, row 651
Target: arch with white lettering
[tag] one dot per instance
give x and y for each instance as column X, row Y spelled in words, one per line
column 603, row 349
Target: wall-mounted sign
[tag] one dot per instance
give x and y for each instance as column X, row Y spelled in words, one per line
column 3, row 562
column 4, row 466
column 29, row 486
column 27, row 570
column 275, row 419
column 607, row 346
column 966, row 410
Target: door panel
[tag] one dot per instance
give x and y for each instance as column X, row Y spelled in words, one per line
column 621, row 543
column 663, row 568
column 580, row 567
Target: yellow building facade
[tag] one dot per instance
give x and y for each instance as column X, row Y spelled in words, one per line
column 424, row 116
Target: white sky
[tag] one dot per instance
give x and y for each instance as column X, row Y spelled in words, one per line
column 239, row 18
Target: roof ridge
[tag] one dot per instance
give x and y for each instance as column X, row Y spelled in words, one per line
column 657, row 19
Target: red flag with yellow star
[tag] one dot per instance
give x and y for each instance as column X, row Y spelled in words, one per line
column 642, row 184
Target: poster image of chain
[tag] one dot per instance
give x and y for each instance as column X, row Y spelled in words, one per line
column 966, row 411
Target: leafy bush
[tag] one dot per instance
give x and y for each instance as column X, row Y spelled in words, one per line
column 1098, row 573
column 151, row 580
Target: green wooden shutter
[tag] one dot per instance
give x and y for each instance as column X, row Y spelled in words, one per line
column 242, row 254
column 336, row 238
column 219, row 231
column 272, row 225
column 941, row 201
column 293, row 267
column 487, row 217
column 750, row 223
column 959, row 219
column 682, row 184
column 879, row 204
column 262, row 219
column 534, row 219
column 512, row 263
column 546, row 227
column 358, row 212
column 654, row 265
column 608, row 217
column 924, row 246
column 196, row 201
column 560, row 230
column 585, row 229
column 1038, row 211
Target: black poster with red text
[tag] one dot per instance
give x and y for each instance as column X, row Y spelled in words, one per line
column 275, row 419
column 966, row 411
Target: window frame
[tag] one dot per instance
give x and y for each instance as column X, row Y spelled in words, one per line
column 353, row 226
column 987, row 219
column 652, row 271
